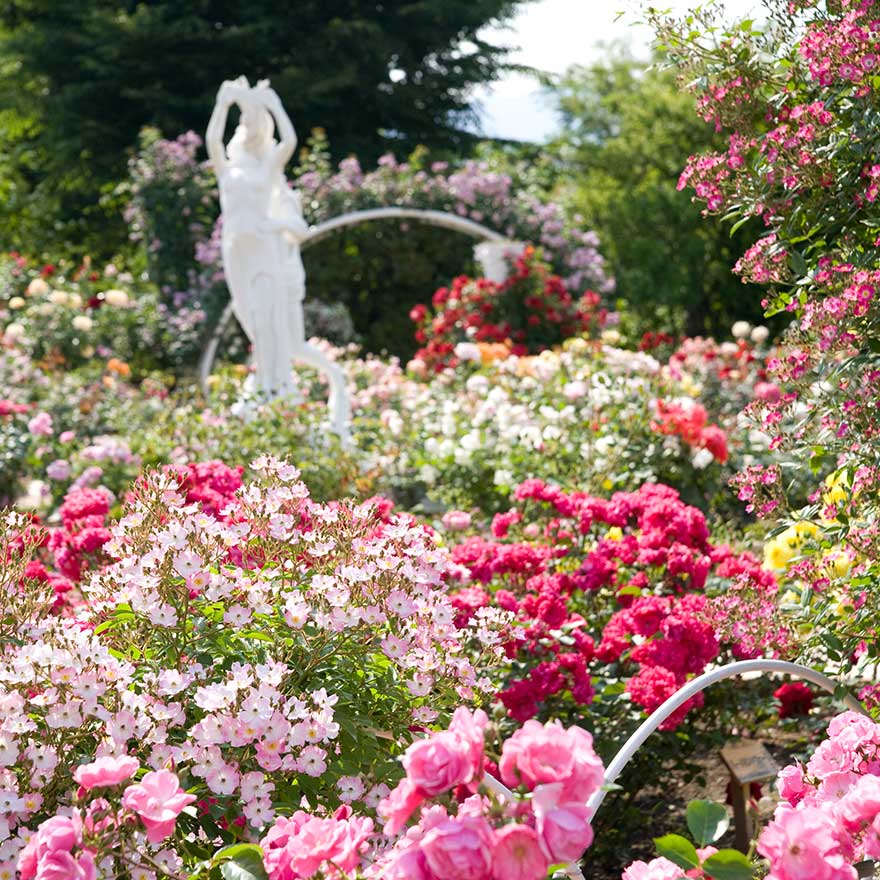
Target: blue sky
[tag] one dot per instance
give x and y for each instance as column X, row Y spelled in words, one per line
column 554, row 34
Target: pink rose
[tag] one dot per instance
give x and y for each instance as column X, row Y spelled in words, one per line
column 55, row 836
column 518, row 855
column 41, row 425
column 790, row 783
column 459, row 849
column 406, row 864
column 656, row 869
column 548, row 753
column 63, row 866
column 439, row 762
column 564, row 830
column 470, row 728
column 158, row 800
column 862, row 802
column 399, row 806
column 106, row 771
column 299, row 846
column 456, row 520
column 806, row 843
column 768, row 391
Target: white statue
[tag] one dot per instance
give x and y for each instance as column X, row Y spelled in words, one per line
column 263, row 228
column 494, row 257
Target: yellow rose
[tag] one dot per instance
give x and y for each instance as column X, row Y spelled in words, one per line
column 17, row 302
column 777, row 554
column 838, row 562
column 615, row 533
column 838, row 489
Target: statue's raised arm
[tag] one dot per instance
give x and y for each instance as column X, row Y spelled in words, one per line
column 286, row 145
column 228, row 94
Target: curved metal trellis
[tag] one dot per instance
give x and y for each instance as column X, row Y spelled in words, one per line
column 678, row 699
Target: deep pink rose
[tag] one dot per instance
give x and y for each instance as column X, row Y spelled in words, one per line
column 564, row 830
column 106, row 771
column 158, row 800
column 299, row 846
column 439, row 762
column 470, row 727
column 399, row 806
column 459, row 849
column 407, row 864
column 56, row 837
column 518, row 855
column 790, row 783
column 63, row 866
column 548, row 753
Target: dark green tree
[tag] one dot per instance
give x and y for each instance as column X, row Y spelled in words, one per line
column 628, row 129
column 376, row 76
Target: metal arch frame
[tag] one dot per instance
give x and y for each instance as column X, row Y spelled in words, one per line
column 678, row 699
column 353, row 218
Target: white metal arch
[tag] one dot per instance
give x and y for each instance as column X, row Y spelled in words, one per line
column 679, row 698
column 353, row 218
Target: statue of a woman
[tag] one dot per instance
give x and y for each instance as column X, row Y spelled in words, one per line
column 263, row 228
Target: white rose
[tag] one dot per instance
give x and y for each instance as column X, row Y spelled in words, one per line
column 702, row 459
column 58, row 297
column 611, row 337
column 74, row 300
column 760, row 335
column 741, row 329
column 468, row 351
column 82, row 323
column 45, row 308
column 14, row 331
column 37, row 287
column 116, row 298
column 16, row 302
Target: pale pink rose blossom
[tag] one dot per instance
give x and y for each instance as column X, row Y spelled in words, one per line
column 517, row 855
column 106, row 771
column 158, row 800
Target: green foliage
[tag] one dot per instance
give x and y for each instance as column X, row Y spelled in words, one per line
column 87, row 75
column 707, row 821
column 380, row 270
column 679, row 850
column 628, row 131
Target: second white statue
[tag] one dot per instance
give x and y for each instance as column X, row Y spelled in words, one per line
column 263, row 228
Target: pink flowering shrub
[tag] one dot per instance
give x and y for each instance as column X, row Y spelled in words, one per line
column 829, row 819
column 461, row 825
column 796, row 100
column 107, row 833
column 275, row 650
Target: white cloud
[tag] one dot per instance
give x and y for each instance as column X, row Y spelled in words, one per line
column 551, row 35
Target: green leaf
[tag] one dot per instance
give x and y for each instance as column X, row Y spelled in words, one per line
column 679, row 850
column 242, row 862
column 707, row 821
column 728, row 864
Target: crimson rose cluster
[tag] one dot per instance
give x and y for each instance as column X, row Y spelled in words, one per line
column 628, row 587
column 529, row 312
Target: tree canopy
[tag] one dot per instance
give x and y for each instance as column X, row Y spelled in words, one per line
column 628, row 129
column 89, row 74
